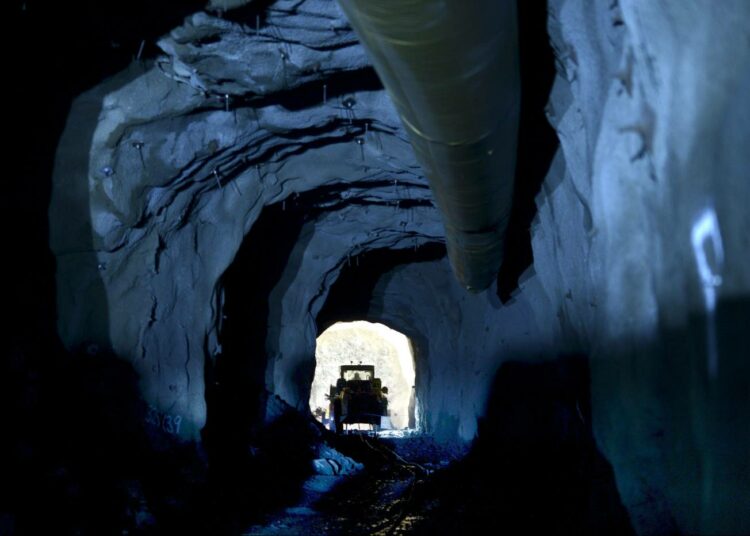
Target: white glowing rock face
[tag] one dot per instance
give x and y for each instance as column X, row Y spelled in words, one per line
column 371, row 344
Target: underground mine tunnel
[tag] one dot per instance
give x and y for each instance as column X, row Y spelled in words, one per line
column 348, row 267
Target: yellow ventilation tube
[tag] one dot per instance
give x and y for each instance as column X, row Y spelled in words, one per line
column 451, row 68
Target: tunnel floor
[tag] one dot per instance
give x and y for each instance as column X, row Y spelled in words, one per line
column 385, row 498
column 532, row 468
column 416, row 486
column 88, row 465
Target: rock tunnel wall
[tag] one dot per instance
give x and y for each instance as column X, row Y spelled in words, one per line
column 162, row 170
column 640, row 249
column 649, row 256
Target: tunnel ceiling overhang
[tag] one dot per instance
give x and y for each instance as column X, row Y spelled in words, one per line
column 166, row 167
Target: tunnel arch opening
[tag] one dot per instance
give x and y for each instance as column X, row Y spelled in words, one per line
column 354, row 296
column 365, row 378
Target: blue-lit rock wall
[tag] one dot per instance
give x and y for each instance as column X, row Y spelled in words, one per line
column 641, row 246
column 162, row 171
column 640, row 240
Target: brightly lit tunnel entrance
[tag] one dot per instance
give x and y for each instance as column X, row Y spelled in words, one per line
column 364, row 379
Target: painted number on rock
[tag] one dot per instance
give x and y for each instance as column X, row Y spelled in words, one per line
column 164, row 421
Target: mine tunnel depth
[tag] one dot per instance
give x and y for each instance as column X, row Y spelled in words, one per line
column 365, row 344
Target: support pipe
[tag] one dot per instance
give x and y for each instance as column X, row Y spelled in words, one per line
column 451, row 68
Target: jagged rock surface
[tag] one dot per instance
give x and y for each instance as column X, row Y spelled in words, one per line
column 640, row 243
column 648, row 243
column 159, row 177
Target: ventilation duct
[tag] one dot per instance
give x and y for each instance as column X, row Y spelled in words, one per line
column 451, row 68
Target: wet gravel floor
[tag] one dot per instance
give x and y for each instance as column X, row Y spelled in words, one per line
column 413, row 486
column 378, row 501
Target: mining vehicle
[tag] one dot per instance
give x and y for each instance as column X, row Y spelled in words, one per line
column 357, row 397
